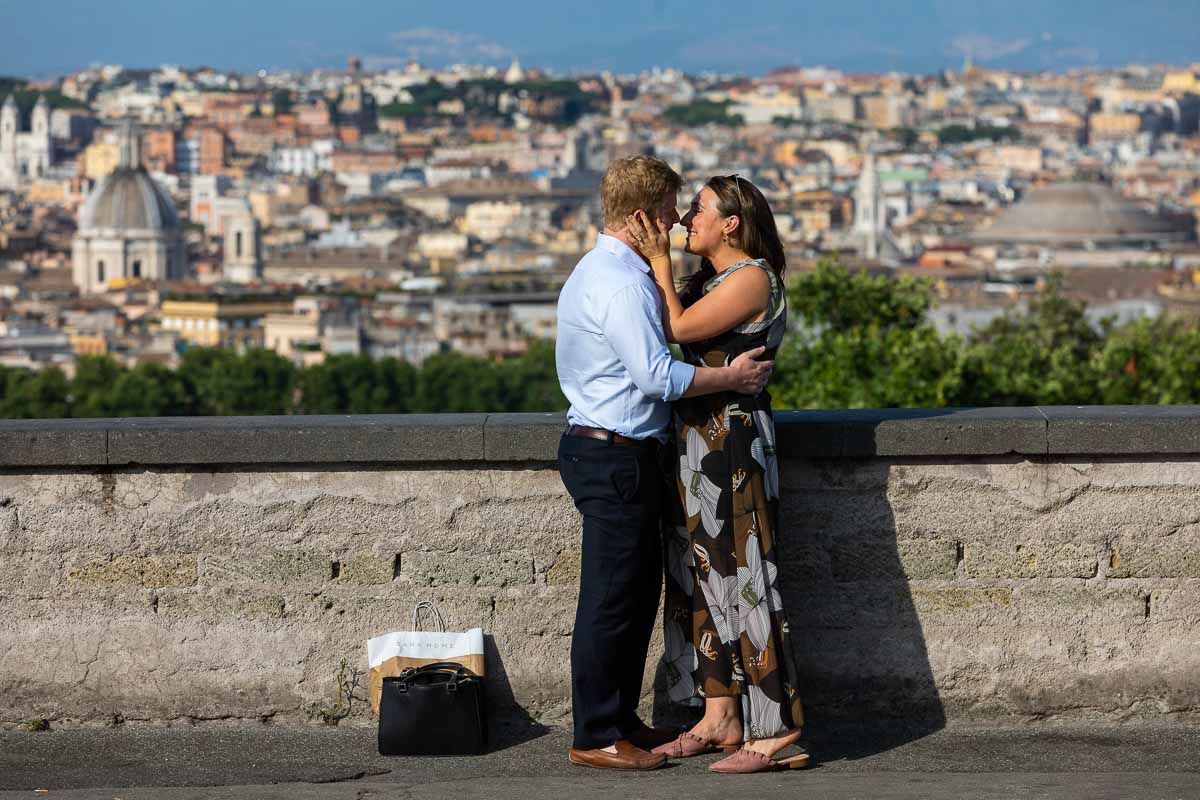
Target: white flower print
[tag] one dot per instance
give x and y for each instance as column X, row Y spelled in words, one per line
column 680, row 560
column 763, row 450
column 681, row 662
column 766, row 715
column 700, row 494
column 720, row 594
column 757, row 595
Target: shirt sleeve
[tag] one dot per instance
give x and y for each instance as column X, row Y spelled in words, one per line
column 633, row 328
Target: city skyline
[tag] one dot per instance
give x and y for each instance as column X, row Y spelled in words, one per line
column 620, row 36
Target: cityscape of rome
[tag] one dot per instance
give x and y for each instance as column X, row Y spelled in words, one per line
column 407, row 210
column 285, row 293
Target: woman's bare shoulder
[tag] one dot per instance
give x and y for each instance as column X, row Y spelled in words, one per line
column 747, row 278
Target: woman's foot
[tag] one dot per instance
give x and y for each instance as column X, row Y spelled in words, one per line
column 769, row 747
column 722, row 722
column 746, row 762
column 719, row 730
column 687, row 746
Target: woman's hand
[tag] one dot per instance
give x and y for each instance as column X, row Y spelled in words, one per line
column 651, row 238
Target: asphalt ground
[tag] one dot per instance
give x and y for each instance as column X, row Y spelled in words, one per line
column 1130, row 761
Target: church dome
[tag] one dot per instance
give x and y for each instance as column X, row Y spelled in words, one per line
column 1079, row 213
column 128, row 199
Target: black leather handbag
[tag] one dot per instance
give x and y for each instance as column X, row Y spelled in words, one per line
column 435, row 710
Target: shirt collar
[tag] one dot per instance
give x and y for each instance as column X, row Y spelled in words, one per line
column 611, row 244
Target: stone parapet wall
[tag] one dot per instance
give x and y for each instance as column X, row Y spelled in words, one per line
column 935, row 564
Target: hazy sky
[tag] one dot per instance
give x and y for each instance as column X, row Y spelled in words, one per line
column 43, row 37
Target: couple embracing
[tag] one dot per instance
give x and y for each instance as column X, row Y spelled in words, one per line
column 683, row 452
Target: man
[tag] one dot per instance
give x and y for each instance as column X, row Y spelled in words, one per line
column 617, row 373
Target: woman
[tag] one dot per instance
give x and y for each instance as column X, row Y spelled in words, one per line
column 726, row 632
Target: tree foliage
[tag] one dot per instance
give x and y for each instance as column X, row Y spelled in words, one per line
column 958, row 134
column 865, row 341
column 214, row 382
column 862, row 341
column 856, row 341
column 703, row 112
column 1040, row 357
column 482, row 97
column 281, row 101
column 357, row 385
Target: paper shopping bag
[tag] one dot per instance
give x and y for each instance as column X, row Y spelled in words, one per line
column 392, row 653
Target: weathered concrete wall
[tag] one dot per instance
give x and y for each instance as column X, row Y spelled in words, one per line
column 991, row 563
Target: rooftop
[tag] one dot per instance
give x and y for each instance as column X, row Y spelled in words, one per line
column 128, row 199
column 1078, row 213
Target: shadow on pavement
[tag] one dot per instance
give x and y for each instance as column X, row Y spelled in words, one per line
column 508, row 723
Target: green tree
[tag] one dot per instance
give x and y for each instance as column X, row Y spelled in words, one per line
column 281, row 101
column 958, row 134
column 223, row 382
column 455, row 383
column 149, row 390
column 397, row 109
column 35, row 395
column 1040, row 357
column 867, row 367
column 357, row 385
column 395, row 387
column 1149, row 361
column 531, row 381
column 832, row 296
column 26, row 99
column 906, row 137
column 92, row 385
column 863, row 341
column 703, row 112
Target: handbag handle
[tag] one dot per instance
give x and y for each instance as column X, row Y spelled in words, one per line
column 446, row 666
column 427, row 605
column 457, row 673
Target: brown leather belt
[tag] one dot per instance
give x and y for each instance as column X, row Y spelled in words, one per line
column 585, row 432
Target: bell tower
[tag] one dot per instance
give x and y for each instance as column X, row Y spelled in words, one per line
column 868, row 208
column 39, row 152
column 8, row 144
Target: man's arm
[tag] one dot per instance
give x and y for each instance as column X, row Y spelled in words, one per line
column 744, row 375
column 634, row 331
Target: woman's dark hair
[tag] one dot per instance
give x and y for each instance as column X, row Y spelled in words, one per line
column 756, row 234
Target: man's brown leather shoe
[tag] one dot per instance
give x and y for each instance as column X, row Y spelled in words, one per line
column 649, row 738
column 626, row 757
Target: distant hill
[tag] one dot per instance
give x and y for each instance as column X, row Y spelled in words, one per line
column 26, row 98
column 9, row 84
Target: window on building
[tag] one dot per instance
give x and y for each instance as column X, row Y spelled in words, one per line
column 137, row 268
column 237, row 248
column 100, row 271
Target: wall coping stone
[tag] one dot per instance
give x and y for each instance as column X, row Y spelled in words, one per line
column 438, row 438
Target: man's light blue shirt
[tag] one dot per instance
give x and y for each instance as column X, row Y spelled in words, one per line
column 612, row 357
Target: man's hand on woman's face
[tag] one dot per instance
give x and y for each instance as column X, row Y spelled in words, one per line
column 750, row 376
column 651, row 237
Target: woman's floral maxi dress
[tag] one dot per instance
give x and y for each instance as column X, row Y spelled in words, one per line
column 725, row 629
